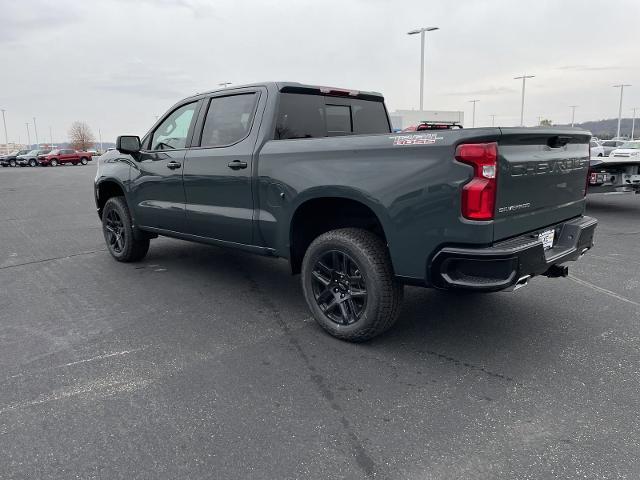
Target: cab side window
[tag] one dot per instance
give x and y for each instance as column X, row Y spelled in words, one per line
column 228, row 119
column 172, row 132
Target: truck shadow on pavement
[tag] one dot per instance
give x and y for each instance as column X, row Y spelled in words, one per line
column 482, row 329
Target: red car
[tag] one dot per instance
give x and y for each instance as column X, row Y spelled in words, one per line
column 62, row 156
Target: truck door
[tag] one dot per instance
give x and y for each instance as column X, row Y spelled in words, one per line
column 156, row 176
column 218, row 168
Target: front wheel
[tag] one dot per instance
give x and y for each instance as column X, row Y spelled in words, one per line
column 54, row 163
column 349, row 285
column 32, row 163
column 84, row 161
column 118, row 232
column 12, row 163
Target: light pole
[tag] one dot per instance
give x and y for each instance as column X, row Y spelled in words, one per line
column 493, row 120
column 224, row 84
column 35, row 128
column 473, row 115
column 50, row 136
column 422, row 31
column 524, row 79
column 6, row 138
column 100, row 136
column 573, row 113
column 633, row 122
column 621, row 87
column 28, row 136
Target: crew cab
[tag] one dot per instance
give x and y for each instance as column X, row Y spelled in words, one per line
column 64, row 155
column 30, row 158
column 316, row 176
column 11, row 159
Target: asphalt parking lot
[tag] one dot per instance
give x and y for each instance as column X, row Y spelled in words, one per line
column 204, row 363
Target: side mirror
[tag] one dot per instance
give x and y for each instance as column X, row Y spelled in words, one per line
column 128, row 144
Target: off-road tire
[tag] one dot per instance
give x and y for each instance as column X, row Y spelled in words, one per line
column 384, row 293
column 135, row 247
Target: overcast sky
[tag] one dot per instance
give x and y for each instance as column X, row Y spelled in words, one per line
column 116, row 64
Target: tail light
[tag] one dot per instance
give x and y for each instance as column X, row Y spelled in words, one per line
column 479, row 195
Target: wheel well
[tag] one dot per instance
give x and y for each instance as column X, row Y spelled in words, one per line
column 106, row 190
column 317, row 216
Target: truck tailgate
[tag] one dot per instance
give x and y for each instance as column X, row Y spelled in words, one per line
column 541, row 179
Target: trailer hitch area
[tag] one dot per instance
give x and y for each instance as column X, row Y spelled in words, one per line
column 557, row 271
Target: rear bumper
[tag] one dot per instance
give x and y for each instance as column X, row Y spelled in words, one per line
column 506, row 265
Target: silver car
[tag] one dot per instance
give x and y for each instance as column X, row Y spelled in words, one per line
column 610, row 145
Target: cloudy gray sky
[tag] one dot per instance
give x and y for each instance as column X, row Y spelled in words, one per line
column 116, row 63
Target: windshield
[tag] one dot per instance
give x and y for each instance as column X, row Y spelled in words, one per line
column 33, row 152
column 54, row 152
column 631, row 145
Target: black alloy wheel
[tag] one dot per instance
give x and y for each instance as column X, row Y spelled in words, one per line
column 114, row 232
column 339, row 287
column 349, row 285
column 123, row 242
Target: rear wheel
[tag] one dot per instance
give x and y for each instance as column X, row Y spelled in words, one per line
column 12, row 163
column 53, row 163
column 84, row 161
column 118, row 232
column 348, row 283
column 32, row 163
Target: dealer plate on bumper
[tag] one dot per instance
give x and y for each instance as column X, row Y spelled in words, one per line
column 547, row 238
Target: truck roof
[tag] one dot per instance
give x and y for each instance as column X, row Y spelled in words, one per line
column 296, row 87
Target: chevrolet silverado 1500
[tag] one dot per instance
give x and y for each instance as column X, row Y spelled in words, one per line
column 315, row 175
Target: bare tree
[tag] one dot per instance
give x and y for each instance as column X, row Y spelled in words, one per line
column 81, row 136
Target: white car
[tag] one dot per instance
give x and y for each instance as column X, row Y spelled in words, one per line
column 597, row 150
column 628, row 151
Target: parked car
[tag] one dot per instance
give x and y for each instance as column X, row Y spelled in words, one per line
column 597, row 150
column 610, row 145
column 630, row 150
column 11, row 160
column 63, row 156
column 315, row 175
column 31, row 158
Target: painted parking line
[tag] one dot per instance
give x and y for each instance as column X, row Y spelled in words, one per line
column 603, row 290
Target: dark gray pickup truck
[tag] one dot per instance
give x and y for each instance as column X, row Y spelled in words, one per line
column 315, row 175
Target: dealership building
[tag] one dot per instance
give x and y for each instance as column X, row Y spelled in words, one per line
column 401, row 119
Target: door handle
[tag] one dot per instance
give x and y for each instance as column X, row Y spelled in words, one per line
column 173, row 165
column 237, row 165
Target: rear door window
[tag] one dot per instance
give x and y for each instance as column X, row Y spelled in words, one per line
column 228, row 119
